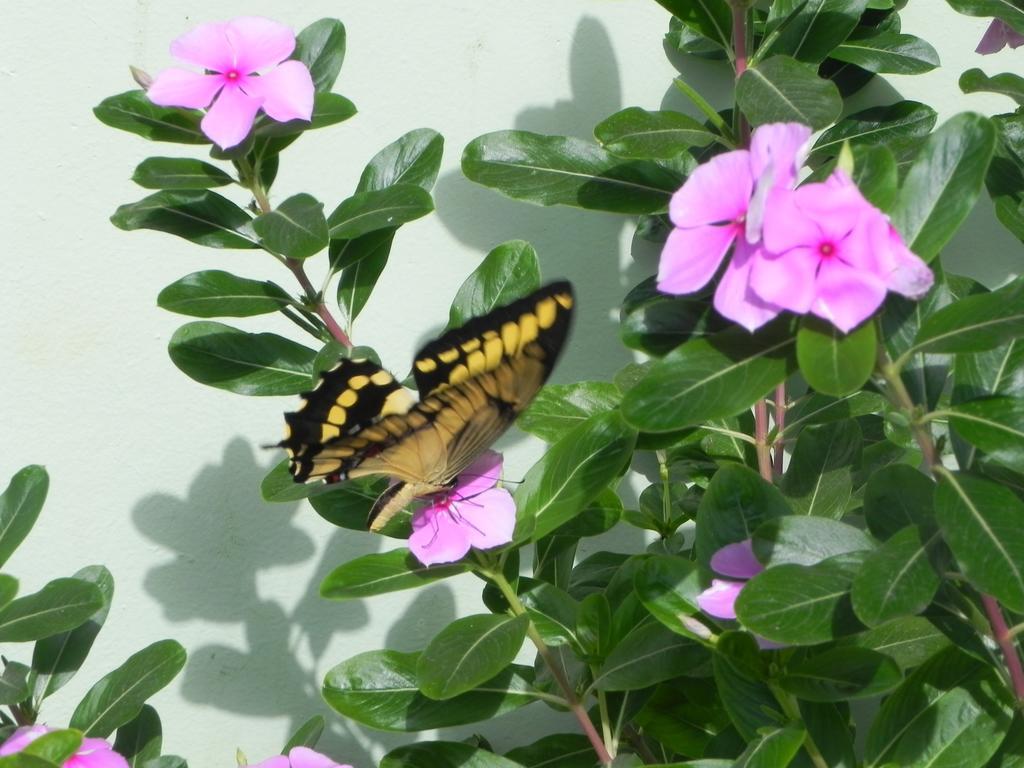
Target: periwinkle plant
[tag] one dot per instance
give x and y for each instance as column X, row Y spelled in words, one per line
column 859, row 431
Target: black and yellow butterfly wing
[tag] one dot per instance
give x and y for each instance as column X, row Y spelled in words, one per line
column 473, row 382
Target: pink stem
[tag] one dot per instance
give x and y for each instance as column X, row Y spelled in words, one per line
column 764, row 459
column 295, row 265
column 739, row 47
column 780, row 425
column 1001, row 634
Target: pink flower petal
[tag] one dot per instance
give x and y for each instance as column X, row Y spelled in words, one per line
column 303, row 757
column 691, row 257
column 786, row 223
column 22, row 737
column 277, row 761
column 910, row 276
column 437, row 537
column 181, row 88
column 719, row 600
column 999, row 34
column 206, row 46
column 258, row 43
column 489, row 518
column 737, row 560
column 286, row 91
column 230, row 118
column 717, row 191
column 95, row 753
column 479, row 476
column 787, row 280
column 779, row 149
column 735, row 299
column 846, row 296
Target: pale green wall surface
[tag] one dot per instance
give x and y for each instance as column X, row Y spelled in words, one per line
column 157, row 476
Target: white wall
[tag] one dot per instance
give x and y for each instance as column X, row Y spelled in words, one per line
column 157, row 476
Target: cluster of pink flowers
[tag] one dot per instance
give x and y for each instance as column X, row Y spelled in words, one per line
column 821, row 248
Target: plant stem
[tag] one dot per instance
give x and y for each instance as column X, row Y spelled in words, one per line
column 764, row 459
column 739, row 46
column 791, row 709
column 573, row 702
column 780, row 426
column 1001, row 634
column 899, row 396
column 316, row 300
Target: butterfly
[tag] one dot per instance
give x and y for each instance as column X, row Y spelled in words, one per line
column 473, row 382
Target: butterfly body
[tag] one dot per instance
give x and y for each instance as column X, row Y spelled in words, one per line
column 473, row 382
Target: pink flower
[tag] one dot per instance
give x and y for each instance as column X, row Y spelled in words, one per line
column 235, row 51
column 473, row 514
column 93, row 753
column 998, row 35
column 300, row 757
column 829, row 252
column 721, row 204
column 736, row 560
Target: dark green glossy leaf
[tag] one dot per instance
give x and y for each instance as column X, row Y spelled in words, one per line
column 710, row 378
column 975, row 323
column 1005, row 84
column 379, row 689
column 509, row 272
column 413, row 158
column 775, row 748
column 560, row 170
column 814, row 408
column 379, row 209
column 178, row 173
column 347, row 505
column 321, row 47
column 306, row 735
column 564, row 750
column 876, row 175
column 806, row 540
column 444, row 754
column 296, row 228
column 995, row 425
column 56, row 659
column 819, row 479
column 132, row 111
column 468, row 652
column 842, row 674
column 552, row 611
column 56, row 746
column 360, row 278
column 14, row 683
column 637, row 133
column 833, row 362
column 244, row 363
column 648, row 655
column 812, row 29
column 139, row 740
column 898, row 579
column 781, row 89
column 909, row 641
column 328, row 109
column 20, row 505
column 668, row 588
column 889, row 53
column 981, row 522
column 215, row 293
column 943, row 183
column 878, row 125
column 200, row 216
column 951, row 713
column 559, row 408
column 656, row 323
column 382, row 572
column 895, row 497
column 1010, row 12
column 739, row 677
column 119, row 696
column 26, row 760
column 61, row 605
column 572, row 472
column 710, row 19
column 594, row 626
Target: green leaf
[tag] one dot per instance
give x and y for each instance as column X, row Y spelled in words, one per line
column 119, row 696
column 902, row 120
column 841, row 674
column 26, row 760
column 800, row 605
column 200, row 216
column 656, row 323
column 909, row 641
column 814, row 408
column 781, row 89
column 178, row 173
column 215, row 293
column 510, row 271
column 379, row 209
column 637, row 133
column 272, row 137
column 775, row 748
column 56, row 659
column 468, row 652
column 14, row 683
column 888, row 53
column 61, row 605
column 307, row 734
column 709, row 18
column 414, row 158
column 444, row 754
column 559, row 408
column 382, row 572
column 736, row 502
column 648, row 655
column 1005, row 84
column 139, row 740
column 981, row 522
column 819, row 479
column 564, row 750
column 710, row 378
column 132, row 111
column 995, row 425
column 1010, row 12
column 571, row 473
column 943, row 183
column 379, row 689
column 56, row 746
column 244, row 363
column 898, row 578
column 951, row 713
column 360, row 278
column 552, row 611
column 974, row 323
column 321, row 47
column 806, row 540
column 668, row 588
column 833, row 362
column 348, row 505
column 20, row 505
column 561, row 170
column 739, row 679
column 296, row 229
column 897, row 496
